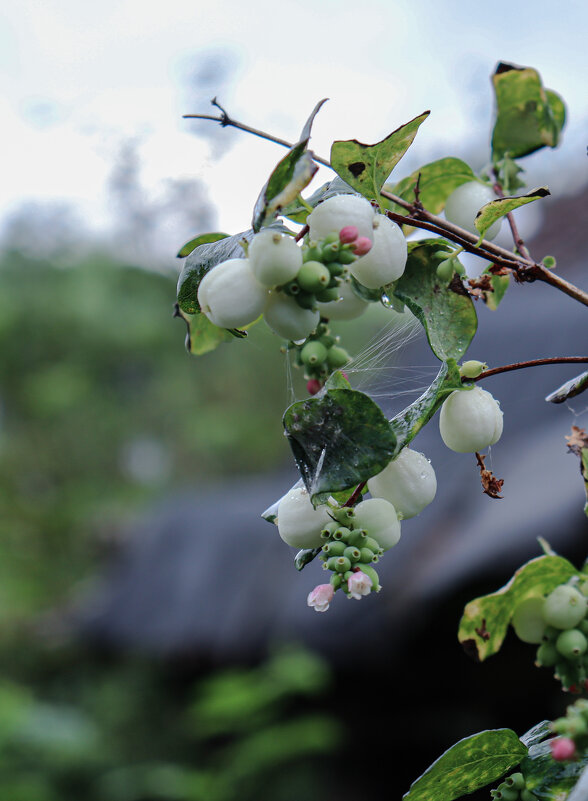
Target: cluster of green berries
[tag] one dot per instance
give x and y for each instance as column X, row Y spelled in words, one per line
column 513, row 789
column 348, row 550
column 449, row 265
column 319, row 356
column 558, row 624
column 573, row 732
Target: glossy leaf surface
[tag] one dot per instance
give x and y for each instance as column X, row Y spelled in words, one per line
column 496, row 209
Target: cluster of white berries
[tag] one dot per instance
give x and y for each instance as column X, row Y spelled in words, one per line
column 352, row 539
column 294, row 285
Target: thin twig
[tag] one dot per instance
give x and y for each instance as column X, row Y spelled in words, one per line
column 523, row 266
column 518, row 239
column 533, row 363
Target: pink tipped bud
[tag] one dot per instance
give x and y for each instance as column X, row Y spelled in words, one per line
column 359, row 584
column 313, row 386
column 348, row 234
column 321, row 597
column 362, row 246
column 563, row 749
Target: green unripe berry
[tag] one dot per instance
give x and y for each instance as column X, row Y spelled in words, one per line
column 346, row 256
column 337, row 357
column 577, row 726
column 459, row 268
column 330, row 528
column 583, row 587
column 515, row 780
column 507, row 793
column 331, row 239
column 313, row 353
column 547, row 655
column 335, row 268
column 358, row 537
column 366, row 555
column 342, row 564
column 312, row 252
column 327, row 340
column 336, row 581
column 328, row 295
column 445, row 270
column 352, row 553
column 442, row 254
column 313, row 276
column 564, row 607
column 528, row 621
column 306, row 300
column 550, row 634
column 341, row 533
column 472, row 368
column 571, row 643
column 549, row 262
column 334, row 548
column 330, row 252
column 372, row 545
column 527, row 795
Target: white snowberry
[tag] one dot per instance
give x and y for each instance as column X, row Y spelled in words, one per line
column 287, row 319
column 299, row 523
column 339, row 211
column 274, row 258
column 408, row 482
column 230, row 296
column 470, row 420
column 378, row 517
column 347, row 307
column 386, row 260
column 465, row 202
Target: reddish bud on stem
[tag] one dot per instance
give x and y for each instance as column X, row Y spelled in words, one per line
column 362, row 246
column 348, row 234
column 313, row 386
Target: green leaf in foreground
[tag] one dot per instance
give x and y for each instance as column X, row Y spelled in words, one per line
column 408, row 423
column 203, row 239
column 570, row 389
column 547, row 779
column 290, row 176
column 528, row 117
column 485, row 620
column 437, row 181
column 496, row 209
column 338, row 439
column 446, row 311
column 367, row 167
column 471, row 763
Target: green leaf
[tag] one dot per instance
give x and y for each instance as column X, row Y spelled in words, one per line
column 570, row 389
column 203, row 239
column 496, row 209
column 547, row 779
column 366, row 167
column 291, row 175
column 305, row 557
column 485, row 620
column 438, row 180
column 500, row 284
column 338, row 439
column 468, row 765
column 337, row 381
column 298, row 212
column 203, row 336
column 528, row 117
column 445, row 310
column 407, row 424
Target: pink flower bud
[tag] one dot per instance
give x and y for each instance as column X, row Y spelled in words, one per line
column 313, row 386
column 348, row 234
column 321, row 597
column 563, row 749
column 359, row 584
column 362, row 246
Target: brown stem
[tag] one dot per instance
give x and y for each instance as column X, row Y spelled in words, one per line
column 518, row 239
column 523, row 266
column 356, row 494
column 533, row 363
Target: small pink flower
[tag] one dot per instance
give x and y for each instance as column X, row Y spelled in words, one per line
column 563, row 749
column 321, row 597
column 348, row 234
column 362, row 246
column 313, row 386
column 359, row 584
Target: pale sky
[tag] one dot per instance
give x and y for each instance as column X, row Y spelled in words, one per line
column 80, row 79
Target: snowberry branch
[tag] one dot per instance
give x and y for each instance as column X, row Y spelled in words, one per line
column 525, row 269
column 532, row 363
